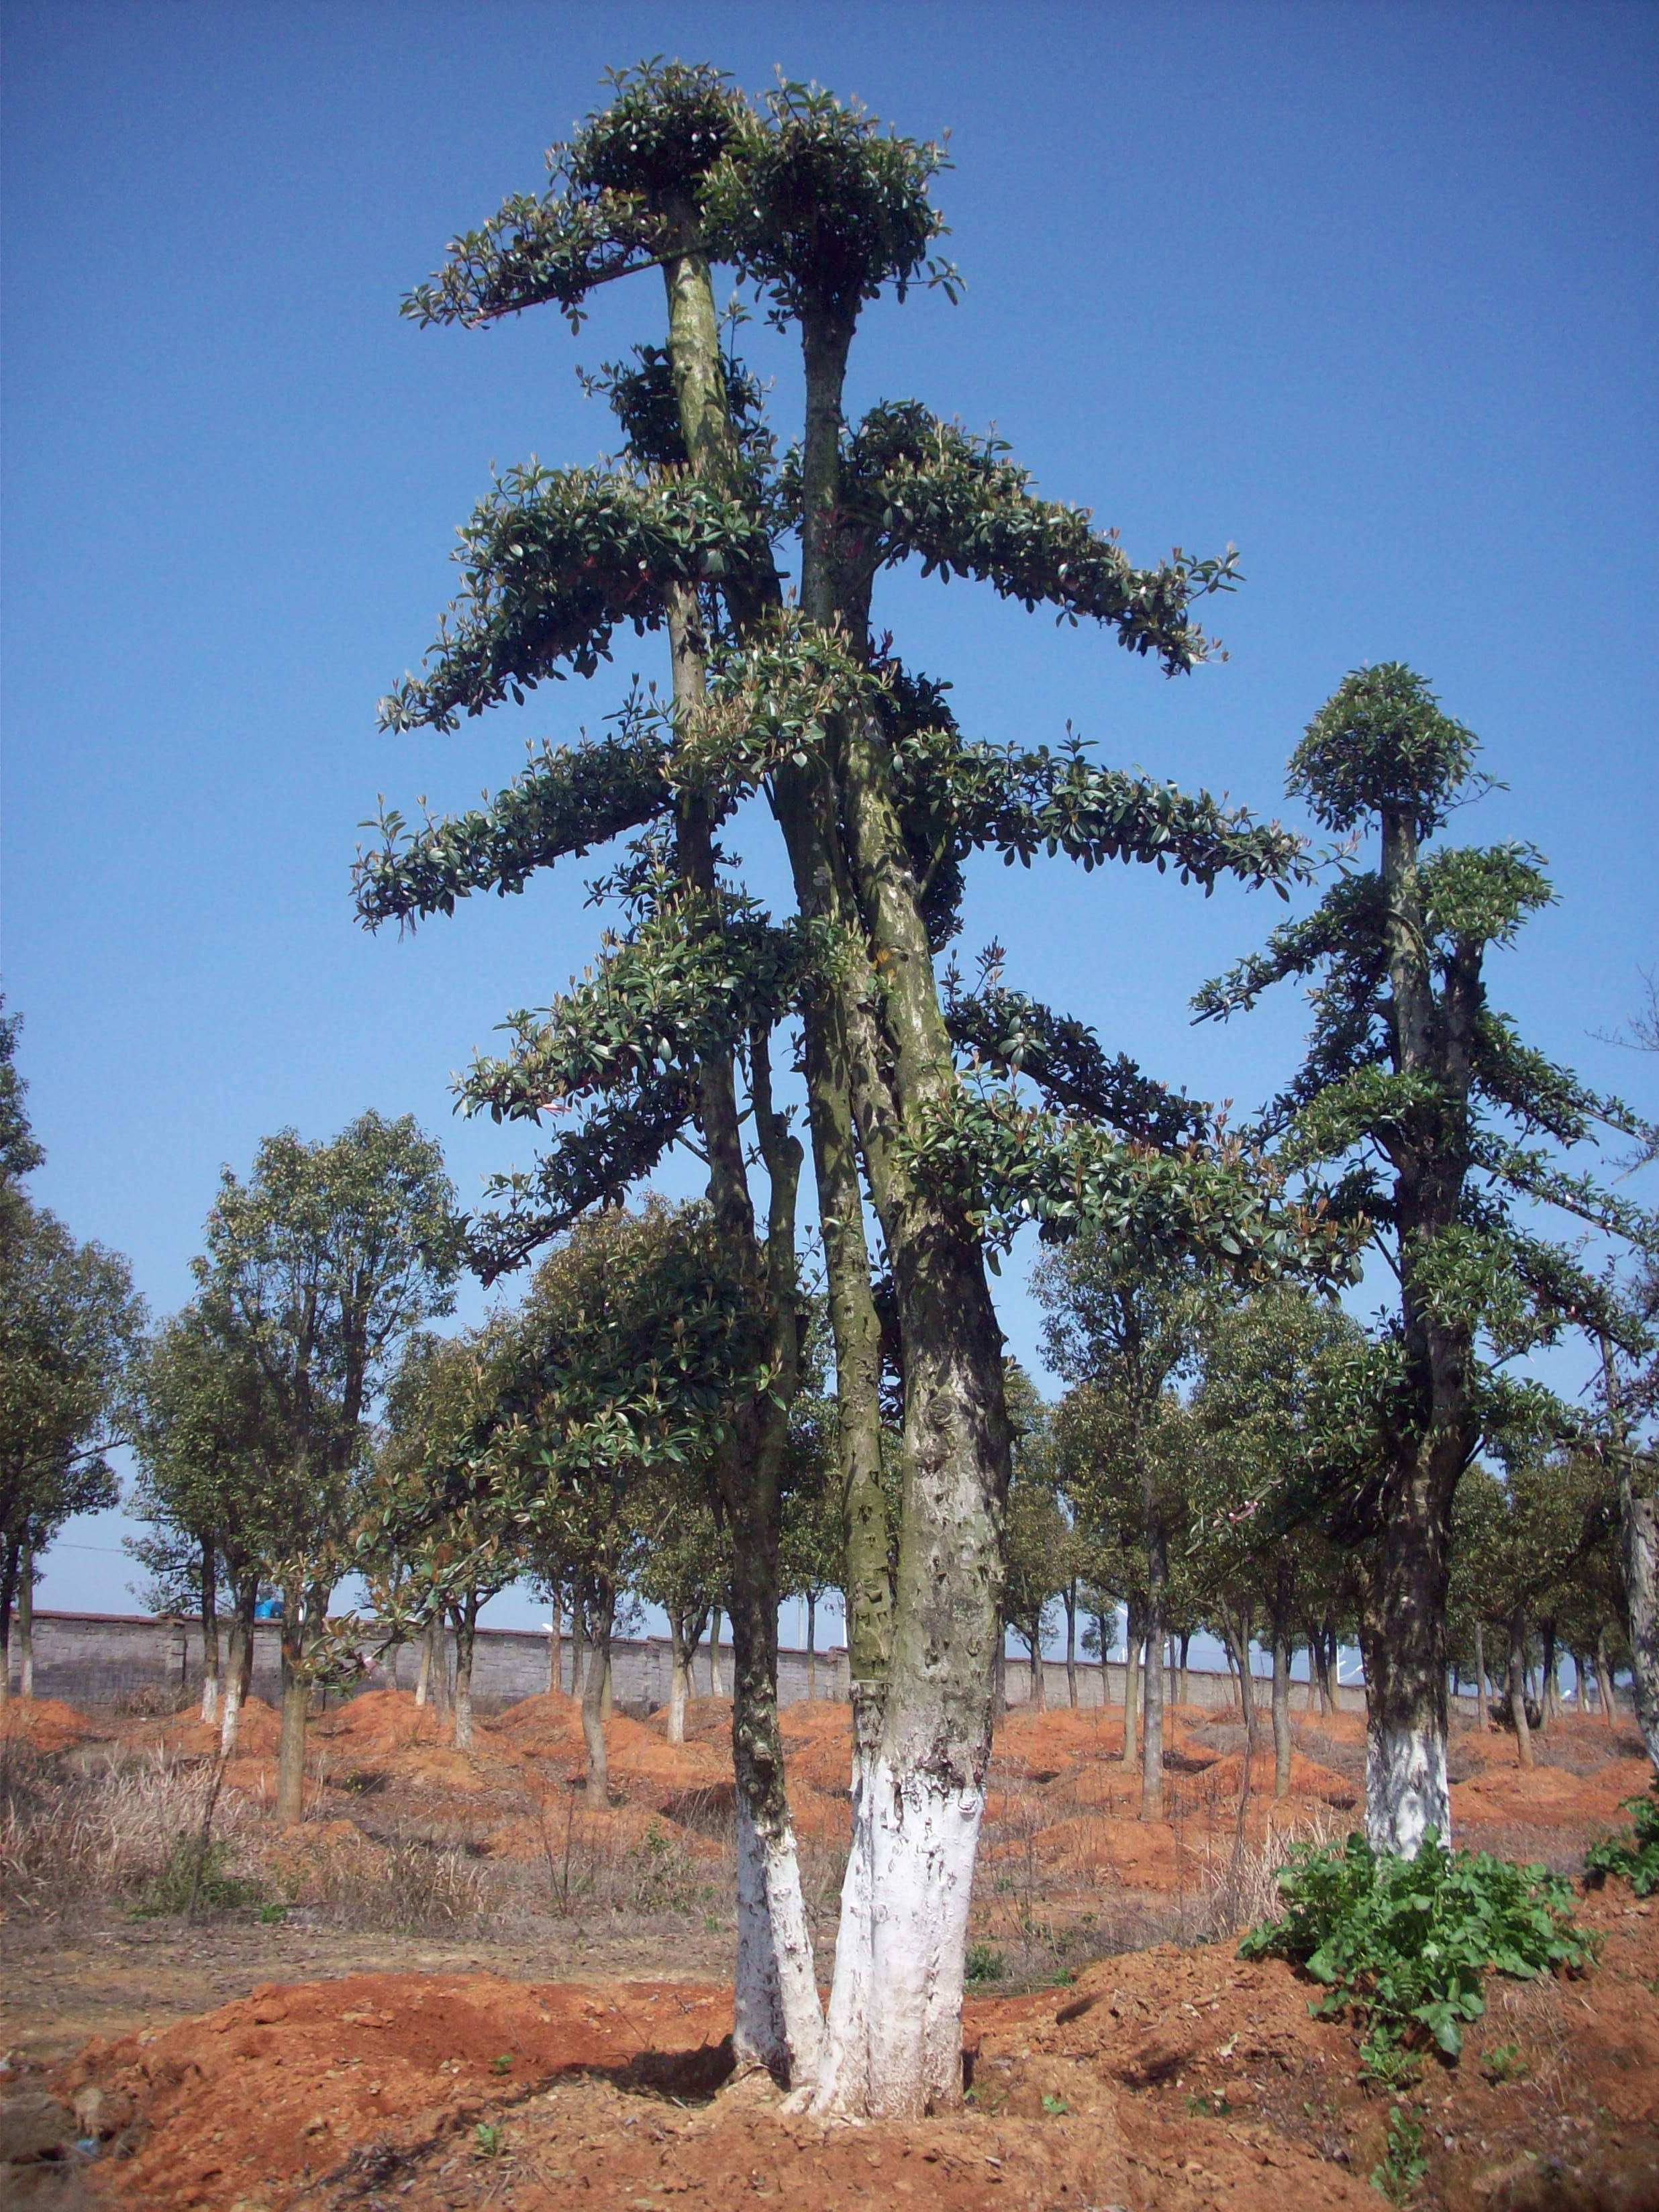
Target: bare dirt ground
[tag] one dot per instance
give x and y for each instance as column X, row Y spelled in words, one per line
column 459, row 1985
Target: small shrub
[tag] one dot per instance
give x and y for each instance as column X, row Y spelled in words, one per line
column 984, row 1964
column 1502, row 2063
column 1405, row 1944
column 216, row 1890
column 1403, row 2163
column 1635, row 1857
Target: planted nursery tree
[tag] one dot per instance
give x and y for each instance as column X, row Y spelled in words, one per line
column 319, row 1265
column 1425, row 1102
column 879, row 799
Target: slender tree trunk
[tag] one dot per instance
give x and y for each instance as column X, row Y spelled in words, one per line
column 607, row 1689
column 1549, row 1700
column 1638, row 1556
column 716, row 1687
column 211, row 1655
column 1069, row 1596
column 681, row 1646
column 1151, row 1745
column 26, row 1627
column 1281, row 1701
column 1182, row 1682
column 1131, row 1635
column 1402, row 1635
column 8, row 1569
column 578, row 1647
column 423, row 1674
column 811, row 1646
column 296, row 1693
column 600, row 1612
column 466, row 1631
column 1482, row 1717
column 555, row 1624
column 1518, row 1688
column 239, row 1677
column 1604, row 1678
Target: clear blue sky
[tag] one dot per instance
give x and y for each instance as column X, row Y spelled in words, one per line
column 1367, row 289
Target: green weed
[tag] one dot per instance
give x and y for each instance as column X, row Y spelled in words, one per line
column 1403, row 2163
column 1633, row 1858
column 1404, row 1945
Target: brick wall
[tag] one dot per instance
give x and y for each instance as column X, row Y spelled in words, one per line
column 104, row 1659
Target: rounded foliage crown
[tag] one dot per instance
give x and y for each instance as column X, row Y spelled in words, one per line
column 1380, row 744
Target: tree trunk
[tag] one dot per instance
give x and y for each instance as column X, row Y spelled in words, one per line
column 423, row 1675
column 1039, row 1684
column 811, row 1646
column 1604, row 1678
column 1638, row 1556
column 1549, row 1701
column 296, row 1693
column 1152, row 1742
column 1403, row 1643
column 600, row 1612
column 554, row 1624
column 26, row 1627
column 578, row 1647
column 679, row 1678
column 466, row 1631
column 1131, row 1687
column 716, row 1687
column 1182, row 1683
column 999, row 1675
column 8, row 1594
column 1482, row 1717
column 210, row 1632
column 1069, row 1596
column 1281, row 1700
column 239, row 1676
column 1518, row 1688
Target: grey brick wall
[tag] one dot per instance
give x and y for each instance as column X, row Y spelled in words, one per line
column 105, row 1659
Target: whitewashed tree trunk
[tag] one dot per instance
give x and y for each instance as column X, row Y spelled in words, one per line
column 1406, row 1787
column 679, row 1690
column 424, row 1677
column 894, row 2047
column 777, row 2022
column 716, row 1689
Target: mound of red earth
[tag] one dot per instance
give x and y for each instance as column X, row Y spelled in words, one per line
column 44, row 1723
column 1183, row 2080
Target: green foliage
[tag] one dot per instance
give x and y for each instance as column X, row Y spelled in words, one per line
column 984, row 1964
column 489, row 2139
column 70, row 1326
column 1381, row 742
column 1501, row 2063
column 1404, row 1945
column 20, row 1152
column 218, row 1889
column 1404, row 2162
column 1633, row 1858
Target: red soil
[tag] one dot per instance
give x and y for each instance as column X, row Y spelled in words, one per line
column 1182, row 2081
column 44, row 1723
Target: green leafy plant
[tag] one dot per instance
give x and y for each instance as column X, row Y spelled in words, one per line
column 1634, row 1858
column 985, row 1964
column 1214, row 2107
column 489, row 2140
column 503, row 2064
column 1056, row 2107
column 1502, row 2063
column 1403, row 2163
column 217, row 1890
column 1405, row 1944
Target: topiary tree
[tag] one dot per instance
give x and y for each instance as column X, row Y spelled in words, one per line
column 879, row 799
column 1423, row 1101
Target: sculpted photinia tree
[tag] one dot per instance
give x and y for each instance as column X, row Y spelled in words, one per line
column 880, row 799
column 1432, row 1107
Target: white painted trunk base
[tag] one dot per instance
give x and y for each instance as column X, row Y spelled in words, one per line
column 210, row 1699
column 776, row 2021
column 894, row 2046
column 230, row 1713
column 1405, row 1788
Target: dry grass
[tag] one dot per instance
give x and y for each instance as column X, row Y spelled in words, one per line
column 100, row 1830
